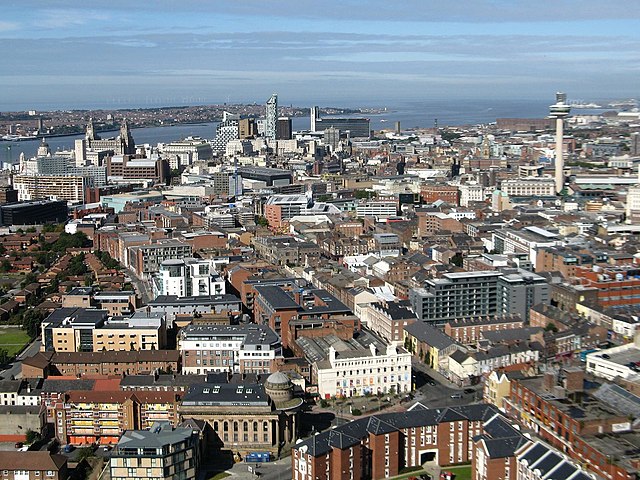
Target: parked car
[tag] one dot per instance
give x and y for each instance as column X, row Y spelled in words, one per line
column 19, row 445
column 456, row 395
column 469, row 390
column 68, row 448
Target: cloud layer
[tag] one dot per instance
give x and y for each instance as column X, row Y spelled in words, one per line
column 309, row 51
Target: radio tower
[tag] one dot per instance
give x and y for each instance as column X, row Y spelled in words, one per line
column 559, row 111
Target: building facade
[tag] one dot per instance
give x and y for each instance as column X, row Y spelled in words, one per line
column 363, row 371
column 161, row 452
column 229, row 348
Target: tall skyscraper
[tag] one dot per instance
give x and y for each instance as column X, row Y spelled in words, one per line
column 559, row 111
column 315, row 115
column 284, row 129
column 271, row 126
column 635, row 144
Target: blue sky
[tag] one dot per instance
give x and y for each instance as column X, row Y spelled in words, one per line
column 121, row 53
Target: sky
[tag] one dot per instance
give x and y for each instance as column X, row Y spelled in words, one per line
column 124, row 53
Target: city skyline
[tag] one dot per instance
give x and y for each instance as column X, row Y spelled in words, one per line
column 60, row 55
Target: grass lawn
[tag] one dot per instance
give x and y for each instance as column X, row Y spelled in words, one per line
column 12, row 339
column 462, row 473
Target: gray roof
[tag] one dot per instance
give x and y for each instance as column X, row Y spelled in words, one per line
column 81, row 316
column 159, row 435
column 620, row 399
column 511, row 334
column 163, row 380
column 430, row 335
column 316, row 349
column 225, row 394
column 253, row 334
column 61, row 386
column 345, row 436
column 161, row 300
column 277, row 297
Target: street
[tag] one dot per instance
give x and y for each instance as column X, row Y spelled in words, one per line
column 278, row 470
column 142, row 288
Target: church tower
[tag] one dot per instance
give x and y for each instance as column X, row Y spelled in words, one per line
column 126, row 139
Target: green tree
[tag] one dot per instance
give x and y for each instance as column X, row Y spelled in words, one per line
column 456, row 260
column 84, row 453
column 551, row 327
column 4, row 356
column 28, row 279
column 77, row 266
column 262, row 221
column 5, row 266
column 32, row 436
column 31, row 320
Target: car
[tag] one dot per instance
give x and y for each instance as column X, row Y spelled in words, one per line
column 68, row 448
column 469, row 390
column 106, row 448
column 432, row 383
column 19, row 445
column 605, row 356
column 456, row 395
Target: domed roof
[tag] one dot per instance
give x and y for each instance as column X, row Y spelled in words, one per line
column 278, row 378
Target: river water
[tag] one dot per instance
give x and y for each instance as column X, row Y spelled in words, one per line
column 409, row 114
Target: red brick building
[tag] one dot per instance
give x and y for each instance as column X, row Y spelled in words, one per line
column 470, row 331
column 544, row 404
column 102, row 363
column 381, row 445
column 446, row 193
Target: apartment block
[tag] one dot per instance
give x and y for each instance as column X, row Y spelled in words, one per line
column 380, row 446
column 145, row 260
column 229, row 348
column 101, row 417
column 162, row 452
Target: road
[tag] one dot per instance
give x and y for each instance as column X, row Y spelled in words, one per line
column 142, row 288
column 279, row 470
column 15, row 368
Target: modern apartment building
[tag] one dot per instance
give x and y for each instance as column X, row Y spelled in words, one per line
column 526, row 240
column 455, row 296
column 145, row 260
column 229, row 348
column 162, row 452
column 463, row 295
column 281, row 208
column 69, row 188
column 187, row 277
column 101, row 417
column 71, row 329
